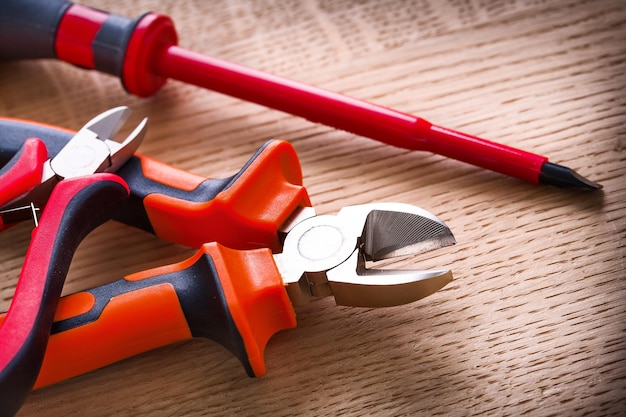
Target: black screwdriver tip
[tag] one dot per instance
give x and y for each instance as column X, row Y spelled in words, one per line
column 561, row 176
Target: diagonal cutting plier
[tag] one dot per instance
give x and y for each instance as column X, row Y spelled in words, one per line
column 240, row 298
column 76, row 201
column 267, row 253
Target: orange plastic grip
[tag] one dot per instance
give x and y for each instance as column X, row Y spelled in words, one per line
column 236, row 298
column 126, row 327
column 245, row 213
column 256, row 297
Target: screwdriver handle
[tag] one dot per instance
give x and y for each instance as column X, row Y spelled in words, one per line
column 28, row 28
column 235, row 298
column 87, row 37
column 242, row 212
column 76, row 207
column 81, row 35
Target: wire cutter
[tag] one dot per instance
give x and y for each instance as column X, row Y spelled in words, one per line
column 76, row 203
column 240, row 298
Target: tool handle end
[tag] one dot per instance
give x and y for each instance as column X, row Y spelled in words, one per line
column 28, row 28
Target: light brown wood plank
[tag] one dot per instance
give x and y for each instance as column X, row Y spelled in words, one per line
column 535, row 321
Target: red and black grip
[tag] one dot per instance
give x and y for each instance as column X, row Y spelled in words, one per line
column 235, row 298
column 81, row 35
column 75, row 208
column 87, row 37
column 243, row 211
column 22, row 172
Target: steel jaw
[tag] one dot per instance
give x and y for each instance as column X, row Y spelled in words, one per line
column 326, row 255
column 91, row 149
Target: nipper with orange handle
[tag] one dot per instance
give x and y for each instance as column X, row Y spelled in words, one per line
column 240, row 298
column 243, row 211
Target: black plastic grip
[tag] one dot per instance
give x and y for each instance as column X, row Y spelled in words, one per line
column 28, row 28
column 14, row 132
column 76, row 207
column 109, row 45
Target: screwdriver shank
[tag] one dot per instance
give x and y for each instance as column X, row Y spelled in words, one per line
column 345, row 113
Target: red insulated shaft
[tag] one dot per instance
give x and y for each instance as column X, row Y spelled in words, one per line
column 342, row 112
column 153, row 57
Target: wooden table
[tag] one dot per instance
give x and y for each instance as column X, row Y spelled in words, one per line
column 535, row 320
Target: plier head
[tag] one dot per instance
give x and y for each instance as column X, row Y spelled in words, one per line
column 327, row 255
column 28, row 179
column 92, row 149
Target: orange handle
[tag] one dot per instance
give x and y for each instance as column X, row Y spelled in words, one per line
column 236, row 298
column 241, row 212
column 124, row 328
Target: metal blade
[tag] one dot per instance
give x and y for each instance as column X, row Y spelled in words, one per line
column 91, row 150
column 394, row 233
column 382, row 288
column 108, row 123
column 395, row 229
column 326, row 255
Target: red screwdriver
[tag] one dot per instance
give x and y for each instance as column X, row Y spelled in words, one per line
column 143, row 52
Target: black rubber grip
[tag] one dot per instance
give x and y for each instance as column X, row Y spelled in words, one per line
column 28, row 28
column 13, row 134
column 109, row 45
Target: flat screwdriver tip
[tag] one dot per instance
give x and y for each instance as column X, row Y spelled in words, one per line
column 561, row 176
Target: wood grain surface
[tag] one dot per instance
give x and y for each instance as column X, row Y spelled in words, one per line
column 534, row 322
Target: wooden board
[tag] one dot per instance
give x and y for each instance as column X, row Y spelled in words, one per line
column 535, row 320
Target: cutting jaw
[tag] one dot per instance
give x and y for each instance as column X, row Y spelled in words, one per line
column 326, row 255
column 92, row 149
